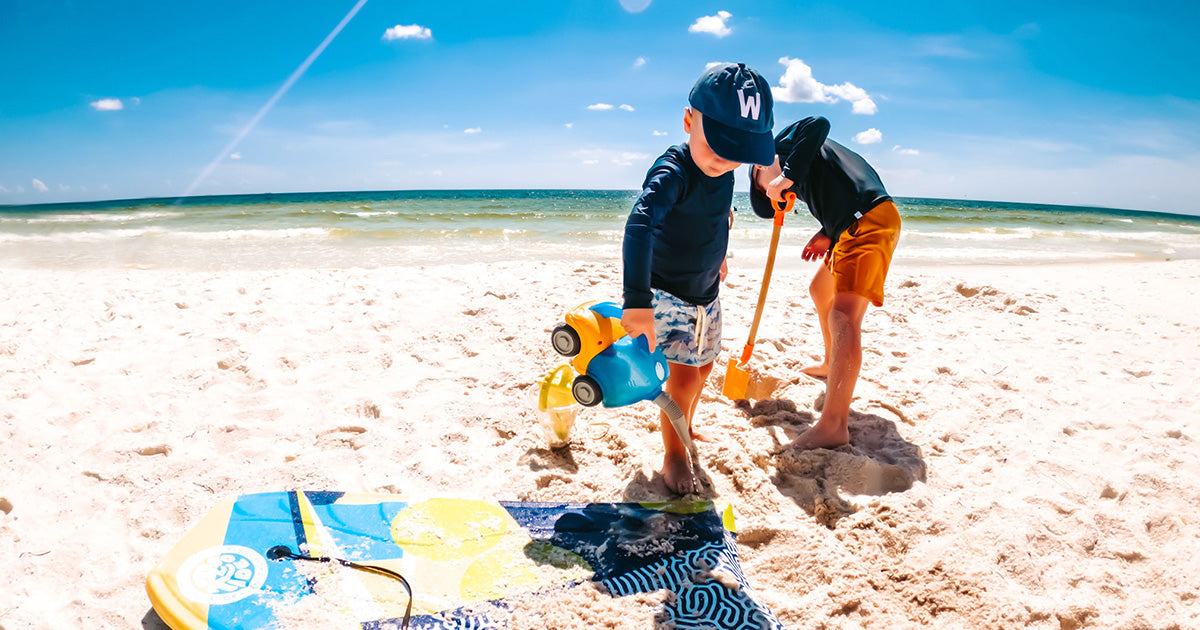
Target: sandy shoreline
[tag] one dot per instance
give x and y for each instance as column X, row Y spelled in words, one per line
column 1037, row 425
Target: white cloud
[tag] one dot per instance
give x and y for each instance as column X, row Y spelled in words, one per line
column 627, row 108
column 236, row 155
column 659, row 133
column 866, row 106
column 639, row 62
column 108, row 105
column 870, row 136
column 713, row 24
column 591, row 161
column 135, row 100
column 411, row 31
column 797, row 85
column 568, row 125
column 903, row 151
column 39, row 186
column 600, row 107
column 856, row 95
column 473, row 130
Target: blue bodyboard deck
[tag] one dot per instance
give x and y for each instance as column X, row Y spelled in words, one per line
column 467, row 561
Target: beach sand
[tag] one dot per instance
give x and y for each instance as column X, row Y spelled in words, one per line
column 1024, row 437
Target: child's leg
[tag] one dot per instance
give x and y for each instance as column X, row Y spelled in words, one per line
column 690, row 339
column 858, row 265
column 845, row 327
column 698, row 436
column 683, row 384
column 822, row 290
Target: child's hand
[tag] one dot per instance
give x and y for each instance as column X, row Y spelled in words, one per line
column 816, row 247
column 639, row 321
column 777, row 186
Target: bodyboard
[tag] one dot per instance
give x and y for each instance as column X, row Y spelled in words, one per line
column 468, row 562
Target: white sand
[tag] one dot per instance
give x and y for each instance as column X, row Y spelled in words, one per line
column 1036, row 427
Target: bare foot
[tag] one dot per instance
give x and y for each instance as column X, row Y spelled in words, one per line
column 819, row 371
column 700, row 436
column 677, row 473
column 823, row 434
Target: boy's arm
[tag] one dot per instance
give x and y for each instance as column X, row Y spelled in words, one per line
column 660, row 192
column 776, row 187
column 801, row 142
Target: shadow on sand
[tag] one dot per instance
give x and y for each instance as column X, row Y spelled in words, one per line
column 153, row 622
column 550, row 459
column 875, row 462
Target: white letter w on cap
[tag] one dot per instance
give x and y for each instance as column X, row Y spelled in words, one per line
column 750, row 106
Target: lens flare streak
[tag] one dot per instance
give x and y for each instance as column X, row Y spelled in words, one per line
column 283, row 89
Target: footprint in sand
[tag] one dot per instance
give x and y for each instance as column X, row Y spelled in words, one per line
column 342, row 436
column 157, row 449
column 368, row 409
column 231, row 360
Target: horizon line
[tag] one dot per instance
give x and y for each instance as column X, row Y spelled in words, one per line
column 183, row 199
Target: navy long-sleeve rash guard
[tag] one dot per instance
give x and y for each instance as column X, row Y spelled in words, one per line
column 835, row 182
column 677, row 235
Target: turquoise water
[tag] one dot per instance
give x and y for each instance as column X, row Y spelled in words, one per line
column 370, row 229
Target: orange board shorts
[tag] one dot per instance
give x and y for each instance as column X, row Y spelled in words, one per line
column 860, row 259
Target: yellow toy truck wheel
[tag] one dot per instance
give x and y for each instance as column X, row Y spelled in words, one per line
column 565, row 340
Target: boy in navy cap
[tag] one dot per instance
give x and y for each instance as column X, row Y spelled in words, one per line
column 677, row 234
column 859, row 230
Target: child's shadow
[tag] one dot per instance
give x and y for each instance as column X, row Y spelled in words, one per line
column 878, row 460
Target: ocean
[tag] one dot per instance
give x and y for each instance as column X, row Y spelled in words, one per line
column 373, row 229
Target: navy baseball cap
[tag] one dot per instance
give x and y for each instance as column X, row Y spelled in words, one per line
column 737, row 107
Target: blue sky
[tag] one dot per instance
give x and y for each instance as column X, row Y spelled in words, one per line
column 1088, row 103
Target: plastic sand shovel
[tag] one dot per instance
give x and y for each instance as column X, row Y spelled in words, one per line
column 738, row 373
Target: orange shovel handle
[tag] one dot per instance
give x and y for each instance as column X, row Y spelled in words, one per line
column 790, row 198
column 780, row 211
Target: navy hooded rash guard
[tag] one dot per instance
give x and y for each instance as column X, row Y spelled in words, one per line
column 836, row 183
column 677, row 235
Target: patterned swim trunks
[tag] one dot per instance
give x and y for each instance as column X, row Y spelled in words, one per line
column 687, row 333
